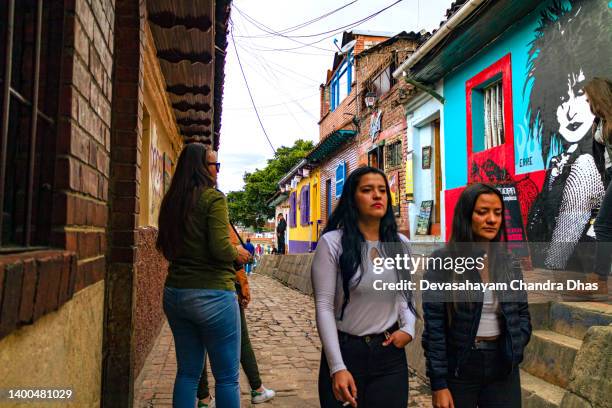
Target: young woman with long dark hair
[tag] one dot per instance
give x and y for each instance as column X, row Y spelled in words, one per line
column 474, row 342
column 363, row 331
column 599, row 94
column 199, row 295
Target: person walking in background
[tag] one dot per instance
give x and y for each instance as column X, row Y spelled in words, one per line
column 281, row 227
column 259, row 393
column 249, row 247
column 599, row 94
column 363, row 331
column 474, row 343
column 199, row 298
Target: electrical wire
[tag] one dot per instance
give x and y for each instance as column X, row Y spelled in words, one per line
column 249, row 90
column 302, row 25
column 267, row 29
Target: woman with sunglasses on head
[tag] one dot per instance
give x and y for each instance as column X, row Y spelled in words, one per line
column 474, row 341
column 200, row 299
column 363, row 331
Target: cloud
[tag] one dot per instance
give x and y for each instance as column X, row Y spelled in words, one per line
column 233, row 167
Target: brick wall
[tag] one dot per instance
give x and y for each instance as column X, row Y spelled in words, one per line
column 83, row 138
column 36, row 283
column 126, row 137
column 393, row 121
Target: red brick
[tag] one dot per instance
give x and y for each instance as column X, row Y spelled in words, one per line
column 125, row 172
column 124, row 155
column 124, row 238
column 89, row 180
column 81, row 42
column 47, row 291
column 84, row 14
column 125, row 204
column 126, row 188
column 28, row 291
column 123, row 255
column 66, row 281
column 88, row 244
column 11, row 298
column 123, row 221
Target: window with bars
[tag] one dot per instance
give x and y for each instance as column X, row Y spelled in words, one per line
column 30, row 56
column 394, row 154
column 493, row 115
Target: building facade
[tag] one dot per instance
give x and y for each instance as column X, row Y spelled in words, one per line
column 381, row 140
column 118, row 87
column 515, row 114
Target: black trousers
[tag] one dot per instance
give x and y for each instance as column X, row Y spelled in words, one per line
column 380, row 373
column 484, row 383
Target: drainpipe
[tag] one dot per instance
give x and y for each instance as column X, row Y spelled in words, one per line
column 438, row 36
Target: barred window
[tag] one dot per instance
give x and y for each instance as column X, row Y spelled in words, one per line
column 384, row 81
column 30, row 55
column 493, row 115
column 394, row 154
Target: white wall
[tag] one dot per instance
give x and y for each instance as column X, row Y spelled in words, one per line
column 420, row 114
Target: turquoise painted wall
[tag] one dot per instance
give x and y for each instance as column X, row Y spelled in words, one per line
column 516, row 42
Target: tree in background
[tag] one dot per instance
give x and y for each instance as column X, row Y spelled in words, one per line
column 248, row 207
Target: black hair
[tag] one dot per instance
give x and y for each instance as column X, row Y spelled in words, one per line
column 571, row 37
column 189, row 180
column 462, row 219
column 346, row 216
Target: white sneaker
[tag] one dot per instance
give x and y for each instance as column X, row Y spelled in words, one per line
column 259, row 397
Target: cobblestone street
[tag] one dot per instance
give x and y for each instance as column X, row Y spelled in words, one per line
column 284, row 336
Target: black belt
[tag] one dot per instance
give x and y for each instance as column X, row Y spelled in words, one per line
column 369, row 337
column 485, row 344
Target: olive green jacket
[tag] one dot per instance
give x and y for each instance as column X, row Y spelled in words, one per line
column 206, row 255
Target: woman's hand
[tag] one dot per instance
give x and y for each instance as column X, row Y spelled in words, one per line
column 399, row 339
column 442, row 399
column 244, row 301
column 243, row 254
column 344, row 387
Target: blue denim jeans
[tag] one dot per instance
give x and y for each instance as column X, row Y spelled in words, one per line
column 205, row 320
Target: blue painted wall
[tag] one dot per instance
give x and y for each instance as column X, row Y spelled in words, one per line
column 516, row 42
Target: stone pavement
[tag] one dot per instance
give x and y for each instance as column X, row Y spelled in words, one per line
column 284, row 336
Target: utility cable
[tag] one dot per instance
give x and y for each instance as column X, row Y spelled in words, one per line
column 249, row 89
column 302, row 25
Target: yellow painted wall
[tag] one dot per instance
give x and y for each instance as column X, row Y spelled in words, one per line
column 160, row 139
column 62, row 350
column 306, row 232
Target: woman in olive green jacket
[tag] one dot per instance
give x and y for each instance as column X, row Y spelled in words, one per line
column 199, row 296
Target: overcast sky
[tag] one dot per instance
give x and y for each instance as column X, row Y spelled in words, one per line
column 285, row 84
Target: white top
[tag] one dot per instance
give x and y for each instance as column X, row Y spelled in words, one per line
column 489, row 319
column 368, row 312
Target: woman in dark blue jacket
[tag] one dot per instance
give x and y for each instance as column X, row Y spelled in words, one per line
column 474, row 340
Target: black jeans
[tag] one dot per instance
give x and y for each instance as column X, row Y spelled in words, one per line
column 380, row 373
column 483, row 382
column 247, row 361
column 603, row 232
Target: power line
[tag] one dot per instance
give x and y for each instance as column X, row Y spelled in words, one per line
column 269, row 30
column 334, row 32
column 249, row 89
column 302, row 25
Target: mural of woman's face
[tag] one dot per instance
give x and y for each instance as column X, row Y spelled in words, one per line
column 574, row 112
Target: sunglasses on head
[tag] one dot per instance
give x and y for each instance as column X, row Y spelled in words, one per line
column 217, row 165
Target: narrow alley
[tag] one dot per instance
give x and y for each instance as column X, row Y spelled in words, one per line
column 284, row 335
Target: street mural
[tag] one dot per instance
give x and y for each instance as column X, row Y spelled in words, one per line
column 543, row 63
column 564, row 55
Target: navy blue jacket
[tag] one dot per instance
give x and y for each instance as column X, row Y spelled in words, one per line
column 450, row 330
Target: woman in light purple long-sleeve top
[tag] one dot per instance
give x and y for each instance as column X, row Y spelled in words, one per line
column 363, row 330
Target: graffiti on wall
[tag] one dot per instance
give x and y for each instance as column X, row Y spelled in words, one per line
column 394, row 189
column 570, row 46
column 156, row 180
